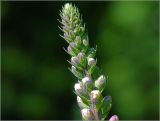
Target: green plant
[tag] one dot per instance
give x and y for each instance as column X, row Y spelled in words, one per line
column 90, row 83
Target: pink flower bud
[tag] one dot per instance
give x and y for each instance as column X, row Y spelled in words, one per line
column 80, row 56
column 86, row 81
column 95, row 94
column 73, row 45
column 69, row 49
column 78, row 88
column 74, row 61
column 91, row 61
column 87, row 114
column 96, row 98
column 114, row 118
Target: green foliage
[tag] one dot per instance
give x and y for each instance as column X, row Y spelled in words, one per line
column 128, row 31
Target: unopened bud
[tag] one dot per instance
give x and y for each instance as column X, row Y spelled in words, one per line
column 91, row 62
column 78, row 88
column 74, row 69
column 66, row 35
column 87, row 114
column 81, row 104
column 82, row 59
column 87, row 82
column 100, row 83
column 74, row 61
column 67, row 6
column 73, row 45
column 114, row 118
column 70, row 51
column 92, row 66
column 81, row 56
column 95, row 96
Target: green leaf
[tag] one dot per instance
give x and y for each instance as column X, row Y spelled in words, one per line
column 105, row 107
column 91, row 69
column 96, row 73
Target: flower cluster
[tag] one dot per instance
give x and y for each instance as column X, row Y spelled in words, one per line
column 90, row 82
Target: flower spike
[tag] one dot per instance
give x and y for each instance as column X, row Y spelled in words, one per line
column 91, row 82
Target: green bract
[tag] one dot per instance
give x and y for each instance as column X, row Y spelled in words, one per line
column 83, row 65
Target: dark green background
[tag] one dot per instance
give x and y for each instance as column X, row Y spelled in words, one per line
column 36, row 83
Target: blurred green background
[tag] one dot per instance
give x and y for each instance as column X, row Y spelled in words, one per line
column 36, row 83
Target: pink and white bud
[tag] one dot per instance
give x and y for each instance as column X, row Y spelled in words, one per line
column 96, row 98
column 69, row 49
column 114, row 118
column 91, row 61
column 78, row 88
column 87, row 114
column 74, row 61
column 102, row 79
column 95, row 94
column 82, row 58
column 73, row 69
column 73, row 45
column 86, row 81
column 80, row 55
column 79, row 100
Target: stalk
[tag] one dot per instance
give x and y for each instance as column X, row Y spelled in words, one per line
column 91, row 82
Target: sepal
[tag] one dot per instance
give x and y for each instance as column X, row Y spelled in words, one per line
column 91, row 53
column 81, row 103
column 77, row 73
